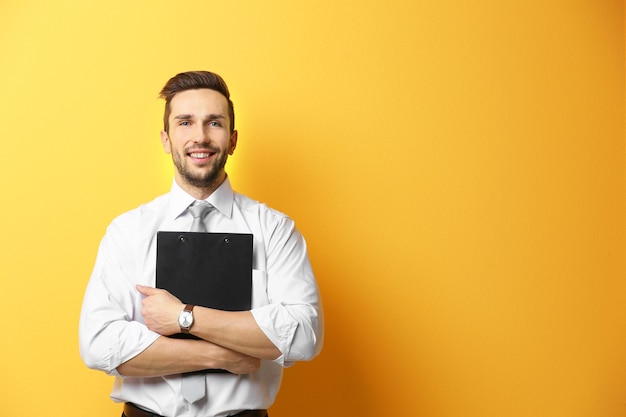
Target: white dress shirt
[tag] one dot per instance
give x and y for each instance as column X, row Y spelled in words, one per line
column 285, row 302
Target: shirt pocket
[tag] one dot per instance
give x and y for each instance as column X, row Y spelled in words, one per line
column 259, row 288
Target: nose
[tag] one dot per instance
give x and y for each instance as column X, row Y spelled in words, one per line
column 201, row 135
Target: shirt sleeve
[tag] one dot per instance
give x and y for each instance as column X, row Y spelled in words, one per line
column 111, row 328
column 293, row 319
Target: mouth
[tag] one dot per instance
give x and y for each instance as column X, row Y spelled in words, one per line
column 201, row 155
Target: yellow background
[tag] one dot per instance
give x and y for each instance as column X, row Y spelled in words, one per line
column 458, row 169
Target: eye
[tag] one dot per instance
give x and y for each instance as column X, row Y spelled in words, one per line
column 184, row 123
column 215, row 123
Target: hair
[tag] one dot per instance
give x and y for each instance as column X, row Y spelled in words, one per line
column 193, row 80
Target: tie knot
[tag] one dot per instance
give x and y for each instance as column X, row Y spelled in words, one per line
column 199, row 209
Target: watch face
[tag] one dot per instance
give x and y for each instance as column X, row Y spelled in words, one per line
column 185, row 319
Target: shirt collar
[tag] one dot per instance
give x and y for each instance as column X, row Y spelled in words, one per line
column 222, row 199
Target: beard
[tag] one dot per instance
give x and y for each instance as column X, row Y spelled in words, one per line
column 200, row 179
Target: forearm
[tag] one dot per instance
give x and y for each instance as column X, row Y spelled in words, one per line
column 168, row 356
column 236, row 330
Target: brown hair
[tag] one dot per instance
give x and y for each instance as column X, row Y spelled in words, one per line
column 193, row 80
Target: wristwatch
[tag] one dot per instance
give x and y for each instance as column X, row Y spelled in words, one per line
column 185, row 319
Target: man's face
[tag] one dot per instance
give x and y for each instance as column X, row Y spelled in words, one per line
column 199, row 139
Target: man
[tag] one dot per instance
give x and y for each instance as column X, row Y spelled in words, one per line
column 125, row 321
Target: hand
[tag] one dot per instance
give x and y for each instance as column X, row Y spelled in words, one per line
column 160, row 310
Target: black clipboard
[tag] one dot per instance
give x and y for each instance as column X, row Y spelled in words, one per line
column 206, row 269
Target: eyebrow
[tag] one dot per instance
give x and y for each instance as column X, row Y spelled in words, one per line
column 191, row 116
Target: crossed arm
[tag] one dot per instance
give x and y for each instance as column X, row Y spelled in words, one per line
column 229, row 340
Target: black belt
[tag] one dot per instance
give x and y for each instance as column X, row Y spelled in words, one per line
column 131, row 410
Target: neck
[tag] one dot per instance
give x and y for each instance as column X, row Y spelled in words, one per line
column 200, row 192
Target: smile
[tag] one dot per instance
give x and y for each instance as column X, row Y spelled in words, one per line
column 199, row 154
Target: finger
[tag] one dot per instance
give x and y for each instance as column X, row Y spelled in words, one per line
column 145, row 290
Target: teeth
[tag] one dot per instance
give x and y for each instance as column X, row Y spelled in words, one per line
column 199, row 155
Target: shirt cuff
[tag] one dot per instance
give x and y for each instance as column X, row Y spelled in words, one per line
column 280, row 329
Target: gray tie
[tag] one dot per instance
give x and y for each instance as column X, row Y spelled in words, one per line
column 194, row 385
column 199, row 210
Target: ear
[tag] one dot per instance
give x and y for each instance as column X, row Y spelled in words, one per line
column 232, row 144
column 165, row 141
